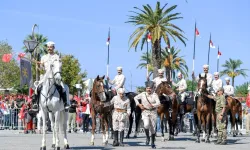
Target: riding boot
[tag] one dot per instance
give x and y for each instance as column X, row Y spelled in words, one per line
column 115, row 142
column 153, row 141
column 121, row 138
column 35, row 99
column 63, row 96
column 147, row 136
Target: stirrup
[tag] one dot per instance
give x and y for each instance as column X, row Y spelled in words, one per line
column 35, row 108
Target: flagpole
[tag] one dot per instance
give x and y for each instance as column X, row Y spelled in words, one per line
column 208, row 50
column 218, row 59
column 194, row 56
column 108, row 42
column 147, row 59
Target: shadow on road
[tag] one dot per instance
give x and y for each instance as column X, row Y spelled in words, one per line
column 92, row 147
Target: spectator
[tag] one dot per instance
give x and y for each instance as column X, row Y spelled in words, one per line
column 85, row 114
column 72, row 114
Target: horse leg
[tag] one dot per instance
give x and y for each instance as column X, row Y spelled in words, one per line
column 137, row 122
column 174, row 123
column 106, row 129
column 52, row 121
column 44, row 116
column 130, row 124
column 232, row 118
column 162, row 127
column 56, row 127
column 93, row 117
column 203, row 126
column 198, row 127
column 208, row 127
column 64, row 120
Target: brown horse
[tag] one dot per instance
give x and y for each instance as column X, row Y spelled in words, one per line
column 164, row 91
column 204, row 111
column 234, row 108
column 99, row 104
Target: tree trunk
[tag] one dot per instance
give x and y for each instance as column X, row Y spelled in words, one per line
column 233, row 81
column 156, row 57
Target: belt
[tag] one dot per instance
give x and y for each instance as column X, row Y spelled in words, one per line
column 120, row 110
column 150, row 109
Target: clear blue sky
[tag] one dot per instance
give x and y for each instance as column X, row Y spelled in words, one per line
column 80, row 28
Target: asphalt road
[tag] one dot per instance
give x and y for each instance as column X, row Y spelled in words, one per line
column 16, row 140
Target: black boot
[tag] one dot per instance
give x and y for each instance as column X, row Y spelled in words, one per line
column 153, row 141
column 195, row 104
column 63, row 96
column 35, row 99
column 147, row 136
column 121, row 138
column 115, row 142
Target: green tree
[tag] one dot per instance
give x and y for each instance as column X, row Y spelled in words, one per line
column 140, row 89
column 71, row 72
column 241, row 90
column 189, row 85
column 174, row 63
column 10, row 72
column 144, row 59
column 159, row 23
column 232, row 69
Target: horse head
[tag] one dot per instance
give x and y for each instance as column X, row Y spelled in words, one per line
column 202, row 84
column 55, row 71
column 98, row 88
column 164, row 88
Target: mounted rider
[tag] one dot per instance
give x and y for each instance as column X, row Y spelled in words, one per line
column 209, row 81
column 118, row 81
column 216, row 84
column 45, row 63
column 182, row 87
column 228, row 89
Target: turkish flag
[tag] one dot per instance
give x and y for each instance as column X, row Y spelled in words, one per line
column 20, row 55
column 6, row 58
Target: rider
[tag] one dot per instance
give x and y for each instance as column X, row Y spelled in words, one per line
column 216, row 84
column 228, row 89
column 182, row 87
column 45, row 63
column 158, row 79
column 209, row 80
column 148, row 105
column 118, row 81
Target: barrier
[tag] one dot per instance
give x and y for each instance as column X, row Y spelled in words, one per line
column 9, row 119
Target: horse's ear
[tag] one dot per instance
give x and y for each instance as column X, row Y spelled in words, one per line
column 199, row 75
column 103, row 77
column 97, row 77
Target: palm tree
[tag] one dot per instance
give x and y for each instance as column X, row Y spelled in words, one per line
column 174, row 63
column 158, row 23
column 177, row 63
column 232, row 69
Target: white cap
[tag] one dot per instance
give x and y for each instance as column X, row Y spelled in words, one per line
column 216, row 73
column 119, row 68
column 179, row 73
column 51, row 43
column 206, row 66
column 160, row 71
column 121, row 90
column 227, row 79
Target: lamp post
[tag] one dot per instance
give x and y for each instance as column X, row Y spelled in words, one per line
column 31, row 46
column 78, row 87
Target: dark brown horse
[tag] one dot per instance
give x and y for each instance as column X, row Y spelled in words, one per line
column 100, row 105
column 204, row 113
column 234, row 108
column 168, row 108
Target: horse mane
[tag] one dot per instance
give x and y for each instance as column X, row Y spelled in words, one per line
column 93, row 95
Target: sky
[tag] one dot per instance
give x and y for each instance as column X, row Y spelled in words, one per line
column 80, row 28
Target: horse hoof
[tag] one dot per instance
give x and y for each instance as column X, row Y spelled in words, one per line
column 207, row 141
column 234, row 135
column 66, row 146
column 241, row 134
column 92, row 143
column 127, row 136
column 197, row 141
column 135, row 136
column 175, row 134
column 57, row 148
column 162, row 139
column 202, row 140
column 43, row 148
column 53, row 145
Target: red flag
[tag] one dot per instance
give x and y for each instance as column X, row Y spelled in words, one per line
column 197, row 33
column 212, row 44
column 108, row 40
column 6, row 57
column 20, row 55
column 149, row 37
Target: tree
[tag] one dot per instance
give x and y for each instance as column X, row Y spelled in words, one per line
column 144, row 59
column 189, row 85
column 140, row 89
column 158, row 23
column 232, row 69
column 241, row 90
column 174, row 63
column 71, row 72
column 10, row 72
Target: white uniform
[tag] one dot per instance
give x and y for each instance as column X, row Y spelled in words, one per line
column 119, row 117
column 216, row 85
column 228, row 90
column 182, row 87
column 157, row 81
column 149, row 115
column 209, row 79
column 47, row 59
column 118, row 81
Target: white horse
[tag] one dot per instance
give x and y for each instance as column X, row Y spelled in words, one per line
column 50, row 102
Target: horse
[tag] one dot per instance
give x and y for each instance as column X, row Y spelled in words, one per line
column 164, row 89
column 234, row 108
column 100, row 103
column 204, row 114
column 134, row 110
column 188, row 108
column 50, row 101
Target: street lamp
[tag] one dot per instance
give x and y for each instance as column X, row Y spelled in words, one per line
column 78, row 87
column 31, row 44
